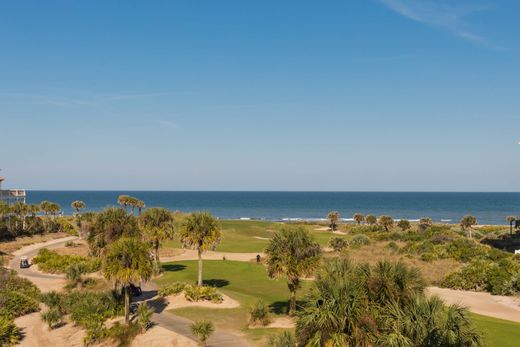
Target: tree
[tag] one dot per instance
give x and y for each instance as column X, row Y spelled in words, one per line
column 203, row 330
column 49, row 209
column 78, row 206
column 157, row 225
column 386, row 222
column 202, row 232
column 425, row 223
column 371, row 219
column 333, row 217
column 108, row 226
column 124, row 201
column 467, row 222
column 128, row 261
column 404, row 224
column 511, row 220
column 140, row 205
column 358, row 218
column 293, row 254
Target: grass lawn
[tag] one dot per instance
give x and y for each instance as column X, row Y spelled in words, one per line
column 498, row 332
column 242, row 281
column 250, row 236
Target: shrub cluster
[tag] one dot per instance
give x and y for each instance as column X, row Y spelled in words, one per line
column 192, row 292
column 52, row 262
column 500, row 277
column 259, row 313
column 360, row 240
column 338, row 243
column 18, row 297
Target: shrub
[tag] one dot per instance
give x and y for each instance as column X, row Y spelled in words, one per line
column 427, row 257
column 16, row 304
column 360, row 240
column 338, row 243
column 52, row 262
column 172, row 289
column 144, row 314
column 9, row 332
column 284, row 339
column 123, row 334
column 371, row 219
column 203, row 330
column 424, row 224
column 53, row 317
column 196, row 293
column 393, row 246
column 259, row 313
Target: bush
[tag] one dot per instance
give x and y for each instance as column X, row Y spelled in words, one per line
column 259, row 313
column 404, row 224
column 144, row 315
column 196, row 293
column 16, row 304
column 52, row 262
column 123, row 334
column 172, row 289
column 203, row 330
column 284, row 339
column 338, row 243
column 428, row 257
column 53, row 317
column 360, row 240
column 9, row 332
column 393, row 246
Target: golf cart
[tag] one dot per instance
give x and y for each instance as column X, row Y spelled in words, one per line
column 24, row 262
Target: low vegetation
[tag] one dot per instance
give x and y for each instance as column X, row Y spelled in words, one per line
column 52, row 262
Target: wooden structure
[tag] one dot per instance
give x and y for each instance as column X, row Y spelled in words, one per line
column 10, row 196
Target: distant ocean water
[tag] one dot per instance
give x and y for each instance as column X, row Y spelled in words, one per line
column 489, row 208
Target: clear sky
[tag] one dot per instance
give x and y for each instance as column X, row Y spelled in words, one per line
column 396, row 95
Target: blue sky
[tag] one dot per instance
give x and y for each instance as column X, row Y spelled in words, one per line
column 395, row 95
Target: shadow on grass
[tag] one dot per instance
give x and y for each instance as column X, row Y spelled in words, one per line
column 282, row 307
column 173, row 267
column 219, row 283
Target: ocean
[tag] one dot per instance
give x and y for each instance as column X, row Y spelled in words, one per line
column 489, row 208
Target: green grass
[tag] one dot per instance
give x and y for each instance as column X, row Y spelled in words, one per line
column 498, row 332
column 243, row 281
column 244, row 236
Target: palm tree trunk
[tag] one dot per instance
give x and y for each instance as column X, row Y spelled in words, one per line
column 292, row 303
column 127, row 303
column 199, row 283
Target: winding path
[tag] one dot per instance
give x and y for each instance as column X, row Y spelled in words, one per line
column 179, row 325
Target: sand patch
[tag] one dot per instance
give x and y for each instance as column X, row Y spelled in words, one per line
column 322, row 229
column 503, row 307
column 38, row 334
column 160, row 337
column 277, row 322
column 190, row 254
column 178, row 301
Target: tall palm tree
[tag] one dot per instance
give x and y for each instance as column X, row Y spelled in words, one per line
column 123, row 200
column 140, row 205
column 108, row 226
column 511, row 220
column 157, row 225
column 467, row 222
column 333, row 217
column 386, row 222
column 128, row 261
column 292, row 254
column 78, row 205
column 200, row 231
column 358, row 218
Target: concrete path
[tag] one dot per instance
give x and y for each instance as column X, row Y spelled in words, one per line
column 47, row 282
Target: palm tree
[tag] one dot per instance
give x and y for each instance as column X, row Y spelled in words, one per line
column 404, row 224
column 202, row 232
column 49, row 209
column 157, row 225
column 108, row 226
column 124, row 200
column 333, row 217
column 203, row 330
column 293, row 254
column 467, row 222
column 140, row 205
column 128, row 261
column 78, row 205
column 511, row 220
column 386, row 222
column 358, row 218
column 371, row 219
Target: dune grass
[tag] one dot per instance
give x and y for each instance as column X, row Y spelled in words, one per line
column 252, row 236
column 245, row 282
column 498, row 332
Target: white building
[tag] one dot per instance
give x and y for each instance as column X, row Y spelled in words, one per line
column 10, row 196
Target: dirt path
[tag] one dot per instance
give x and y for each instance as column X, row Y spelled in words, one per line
column 503, row 307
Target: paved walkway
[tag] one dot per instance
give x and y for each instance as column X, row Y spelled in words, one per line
column 179, row 325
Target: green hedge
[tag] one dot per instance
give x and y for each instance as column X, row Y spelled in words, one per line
column 52, row 262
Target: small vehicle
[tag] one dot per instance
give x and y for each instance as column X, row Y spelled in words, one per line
column 135, row 290
column 24, row 262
